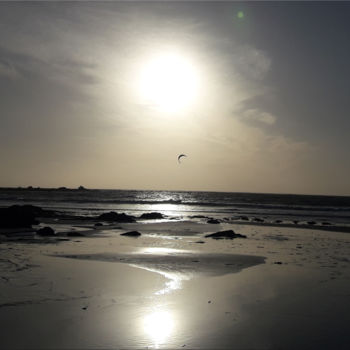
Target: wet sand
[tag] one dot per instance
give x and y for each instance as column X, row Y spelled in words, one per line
column 280, row 288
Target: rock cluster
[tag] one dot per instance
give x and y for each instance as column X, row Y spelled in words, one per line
column 229, row 234
column 115, row 217
column 22, row 216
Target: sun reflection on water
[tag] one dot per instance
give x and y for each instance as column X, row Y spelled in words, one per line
column 161, row 250
column 158, row 325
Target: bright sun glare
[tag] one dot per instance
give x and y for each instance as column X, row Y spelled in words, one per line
column 169, row 82
column 158, row 326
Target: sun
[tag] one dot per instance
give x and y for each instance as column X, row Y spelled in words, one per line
column 168, row 82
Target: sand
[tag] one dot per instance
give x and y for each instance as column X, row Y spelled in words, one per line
column 280, row 288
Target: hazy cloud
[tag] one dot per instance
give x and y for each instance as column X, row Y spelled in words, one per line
column 259, row 116
column 7, row 70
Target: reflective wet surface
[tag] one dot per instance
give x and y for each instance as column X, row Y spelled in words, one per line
column 124, row 293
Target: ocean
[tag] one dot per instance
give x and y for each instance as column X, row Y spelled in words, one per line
column 183, row 205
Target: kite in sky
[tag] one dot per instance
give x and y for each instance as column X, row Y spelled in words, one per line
column 180, row 156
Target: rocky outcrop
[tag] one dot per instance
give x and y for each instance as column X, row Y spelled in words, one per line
column 115, row 217
column 19, row 216
column 153, row 215
column 229, row 234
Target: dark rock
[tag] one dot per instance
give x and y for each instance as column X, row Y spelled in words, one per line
column 213, row 221
column 278, row 221
column 74, row 234
column 278, row 262
column 198, row 217
column 113, row 216
column 326, row 223
column 19, row 216
column 200, row 242
column 296, row 222
column 81, row 188
column 131, row 234
column 229, row 234
column 258, row 220
column 98, row 224
column 245, row 218
column 311, row 222
column 46, row 231
column 153, row 215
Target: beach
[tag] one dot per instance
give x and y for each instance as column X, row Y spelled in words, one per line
column 172, row 287
column 174, row 175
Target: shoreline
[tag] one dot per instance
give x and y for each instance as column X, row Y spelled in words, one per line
column 172, row 287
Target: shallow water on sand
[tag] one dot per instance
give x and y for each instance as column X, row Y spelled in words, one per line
column 162, row 291
column 99, row 304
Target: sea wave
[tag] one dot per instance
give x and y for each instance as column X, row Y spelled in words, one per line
column 227, row 205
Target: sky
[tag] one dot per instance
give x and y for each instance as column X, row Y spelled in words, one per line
column 107, row 95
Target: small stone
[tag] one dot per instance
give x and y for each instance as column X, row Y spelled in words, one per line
column 46, row 231
column 131, row 234
column 229, row 234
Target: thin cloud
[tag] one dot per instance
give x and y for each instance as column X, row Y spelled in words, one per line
column 259, row 116
column 7, row 70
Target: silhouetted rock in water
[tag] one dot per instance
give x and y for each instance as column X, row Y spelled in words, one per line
column 198, row 217
column 245, row 218
column 46, row 231
column 98, row 224
column 258, row 220
column 213, row 221
column 326, row 223
column 37, row 211
column 82, row 188
column 200, row 242
column 311, row 222
column 131, row 234
column 115, row 217
column 278, row 221
column 296, row 222
column 74, row 234
column 229, row 234
column 278, row 262
column 153, row 215
column 19, row 216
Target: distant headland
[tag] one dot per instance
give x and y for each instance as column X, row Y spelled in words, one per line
column 32, row 188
